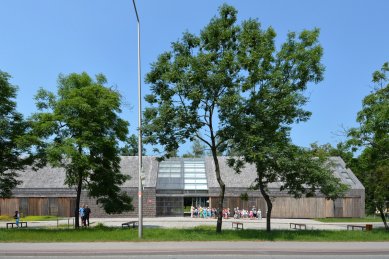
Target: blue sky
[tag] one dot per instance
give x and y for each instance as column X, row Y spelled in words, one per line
column 42, row 38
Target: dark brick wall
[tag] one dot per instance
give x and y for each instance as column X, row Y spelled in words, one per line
column 149, row 208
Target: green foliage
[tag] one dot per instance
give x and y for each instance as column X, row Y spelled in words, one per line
column 373, row 136
column 131, row 147
column 233, row 86
column 347, row 220
column 80, row 130
column 191, row 85
column 341, row 150
column 272, row 100
column 15, row 139
column 197, row 149
column 244, row 196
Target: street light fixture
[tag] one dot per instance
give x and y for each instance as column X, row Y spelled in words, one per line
column 140, row 188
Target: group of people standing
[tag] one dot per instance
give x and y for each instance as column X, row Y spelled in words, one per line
column 204, row 212
column 252, row 214
column 85, row 212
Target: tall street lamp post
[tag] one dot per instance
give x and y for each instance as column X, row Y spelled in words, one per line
column 140, row 188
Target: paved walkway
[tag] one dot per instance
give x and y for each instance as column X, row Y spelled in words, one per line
column 187, row 222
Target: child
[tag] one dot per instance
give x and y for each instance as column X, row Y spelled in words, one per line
column 17, row 218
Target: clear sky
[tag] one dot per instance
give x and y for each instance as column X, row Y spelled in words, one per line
column 40, row 39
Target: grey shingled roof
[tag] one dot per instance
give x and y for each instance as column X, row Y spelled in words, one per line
column 341, row 171
column 231, row 179
column 49, row 177
column 54, row 177
column 247, row 177
column 129, row 166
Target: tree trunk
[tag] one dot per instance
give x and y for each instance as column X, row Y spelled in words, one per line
column 222, row 191
column 269, row 206
column 78, row 198
column 382, row 214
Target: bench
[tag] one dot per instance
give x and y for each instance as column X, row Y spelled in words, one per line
column 134, row 224
column 352, row 227
column 295, row 225
column 237, row 224
column 21, row 223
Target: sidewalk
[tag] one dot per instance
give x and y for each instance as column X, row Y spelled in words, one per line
column 187, row 222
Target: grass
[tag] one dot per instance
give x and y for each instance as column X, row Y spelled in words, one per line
column 30, row 218
column 204, row 233
column 341, row 220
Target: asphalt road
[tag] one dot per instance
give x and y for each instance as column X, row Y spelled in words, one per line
column 202, row 250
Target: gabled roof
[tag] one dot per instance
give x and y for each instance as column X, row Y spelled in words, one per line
column 54, row 177
column 49, row 177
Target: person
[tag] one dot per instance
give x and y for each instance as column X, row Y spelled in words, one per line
column 17, row 218
column 191, row 211
column 82, row 215
column 254, row 212
column 251, row 214
column 87, row 213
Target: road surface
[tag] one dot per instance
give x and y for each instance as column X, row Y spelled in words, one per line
column 203, row 250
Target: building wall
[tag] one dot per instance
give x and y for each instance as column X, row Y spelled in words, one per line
column 289, row 207
column 9, row 206
column 353, row 205
column 149, row 204
column 28, row 206
column 285, row 206
column 65, row 206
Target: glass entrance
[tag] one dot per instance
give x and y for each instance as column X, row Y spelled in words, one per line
column 178, row 179
column 196, row 202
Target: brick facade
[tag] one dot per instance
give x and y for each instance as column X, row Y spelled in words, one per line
column 149, row 208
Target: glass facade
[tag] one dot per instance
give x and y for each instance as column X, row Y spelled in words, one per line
column 182, row 174
column 170, row 206
column 181, row 177
column 170, row 175
column 194, row 175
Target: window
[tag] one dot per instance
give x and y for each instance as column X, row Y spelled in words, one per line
column 182, row 174
column 194, row 175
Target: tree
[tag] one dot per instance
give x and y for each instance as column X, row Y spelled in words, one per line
column 80, row 129
column 272, row 100
column 190, row 85
column 15, row 138
column 197, row 149
column 342, row 150
column 373, row 135
column 131, row 147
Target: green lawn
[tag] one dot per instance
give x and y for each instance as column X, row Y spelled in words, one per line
column 340, row 220
column 30, row 218
column 107, row 234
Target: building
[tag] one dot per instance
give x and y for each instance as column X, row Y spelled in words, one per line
column 176, row 183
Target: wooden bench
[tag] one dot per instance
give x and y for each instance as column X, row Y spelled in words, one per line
column 237, row 224
column 134, row 224
column 295, row 225
column 352, row 227
column 21, row 223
